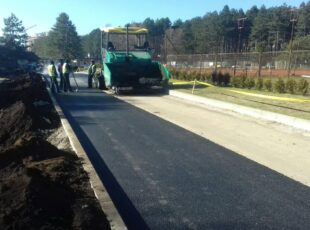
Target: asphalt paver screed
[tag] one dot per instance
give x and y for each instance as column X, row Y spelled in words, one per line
column 41, row 186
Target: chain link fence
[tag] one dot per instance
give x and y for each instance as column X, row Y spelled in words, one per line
column 282, row 63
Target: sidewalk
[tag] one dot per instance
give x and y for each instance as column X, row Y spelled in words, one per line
column 297, row 123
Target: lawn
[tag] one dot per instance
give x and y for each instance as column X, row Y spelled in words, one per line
column 279, row 103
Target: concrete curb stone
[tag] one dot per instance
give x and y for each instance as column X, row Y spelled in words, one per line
column 106, row 203
column 294, row 122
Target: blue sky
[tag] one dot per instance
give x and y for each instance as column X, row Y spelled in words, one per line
column 90, row 14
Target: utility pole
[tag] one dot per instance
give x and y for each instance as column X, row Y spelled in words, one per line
column 240, row 27
column 293, row 20
column 240, row 22
column 275, row 44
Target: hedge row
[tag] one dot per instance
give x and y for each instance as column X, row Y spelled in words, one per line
column 280, row 85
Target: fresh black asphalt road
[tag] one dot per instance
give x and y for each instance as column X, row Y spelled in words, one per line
column 161, row 176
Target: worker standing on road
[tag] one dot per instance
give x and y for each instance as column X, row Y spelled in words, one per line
column 60, row 73
column 53, row 75
column 91, row 73
column 66, row 71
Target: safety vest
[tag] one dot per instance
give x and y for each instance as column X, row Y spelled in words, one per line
column 65, row 68
column 51, row 71
column 92, row 69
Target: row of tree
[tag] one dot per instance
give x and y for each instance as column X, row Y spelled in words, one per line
column 61, row 42
column 230, row 30
column 227, row 31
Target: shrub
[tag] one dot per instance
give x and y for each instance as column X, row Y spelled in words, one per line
column 259, row 83
column 185, row 76
column 226, row 79
column 268, row 85
column 279, row 86
column 249, row 82
column 202, row 77
column 173, row 73
column 243, row 81
column 177, row 74
column 291, row 85
column 198, row 76
column 193, row 75
column 235, row 82
column 303, row 86
column 208, row 78
column 220, row 78
column 182, row 75
column 214, row 77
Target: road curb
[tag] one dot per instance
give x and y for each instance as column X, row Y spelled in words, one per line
column 294, row 122
column 106, row 203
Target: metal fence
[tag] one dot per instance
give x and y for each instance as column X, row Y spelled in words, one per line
column 249, row 64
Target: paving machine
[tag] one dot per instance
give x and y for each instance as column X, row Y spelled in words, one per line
column 127, row 60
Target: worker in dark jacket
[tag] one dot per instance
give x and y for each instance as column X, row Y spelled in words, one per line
column 91, row 73
column 60, row 73
column 53, row 76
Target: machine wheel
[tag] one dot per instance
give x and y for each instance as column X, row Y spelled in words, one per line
column 101, row 82
column 117, row 90
column 165, row 87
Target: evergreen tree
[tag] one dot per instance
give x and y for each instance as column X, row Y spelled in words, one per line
column 214, row 34
column 14, row 33
column 91, row 44
column 303, row 25
column 178, row 23
column 228, row 24
column 188, row 37
column 150, row 25
column 64, row 40
column 41, row 47
column 260, row 30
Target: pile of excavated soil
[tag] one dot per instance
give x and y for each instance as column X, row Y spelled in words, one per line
column 41, row 186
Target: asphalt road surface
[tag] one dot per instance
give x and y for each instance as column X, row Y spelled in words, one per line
column 161, row 176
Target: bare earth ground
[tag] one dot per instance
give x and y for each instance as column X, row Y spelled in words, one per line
column 42, row 182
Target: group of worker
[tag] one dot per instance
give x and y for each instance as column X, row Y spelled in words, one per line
column 63, row 71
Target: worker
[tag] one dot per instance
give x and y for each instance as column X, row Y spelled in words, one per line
column 53, row 75
column 66, row 71
column 111, row 46
column 91, row 73
column 60, row 73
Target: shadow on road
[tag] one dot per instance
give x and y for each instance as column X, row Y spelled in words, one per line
column 127, row 210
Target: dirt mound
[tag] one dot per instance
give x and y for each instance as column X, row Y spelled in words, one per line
column 41, row 187
column 24, row 107
column 10, row 59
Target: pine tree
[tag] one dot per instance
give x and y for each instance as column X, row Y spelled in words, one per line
column 14, row 33
column 41, row 47
column 91, row 44
column 64, row 40
column 303, row 24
